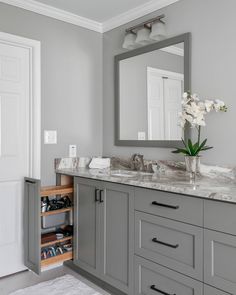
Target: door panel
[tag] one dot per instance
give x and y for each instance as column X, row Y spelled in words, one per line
column 116, row 235
column 172, row 102
column 32, row 225
column 155, row 106
column 164, row 92
column 220, row 260
column 14, row 151
column 86, row 225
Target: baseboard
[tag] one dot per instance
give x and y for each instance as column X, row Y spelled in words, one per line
column 93, row 279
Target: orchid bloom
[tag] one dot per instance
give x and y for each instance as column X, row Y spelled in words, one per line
column 194, row 110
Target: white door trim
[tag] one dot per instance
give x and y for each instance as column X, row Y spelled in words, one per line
column 34, row 48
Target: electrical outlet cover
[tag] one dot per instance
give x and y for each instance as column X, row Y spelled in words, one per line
column 72, row 151
column 141, row 135
column 50, row 137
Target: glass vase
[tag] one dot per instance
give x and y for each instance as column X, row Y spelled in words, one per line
column 192, row 166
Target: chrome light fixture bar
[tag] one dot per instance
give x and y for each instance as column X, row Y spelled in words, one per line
column 147, row 24
column 145, row 33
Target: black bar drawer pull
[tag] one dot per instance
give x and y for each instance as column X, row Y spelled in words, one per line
column 100, row 196
column 155, row 240
column 30, row 181
column 153, row 287
column 165, row 205
column 96, row 195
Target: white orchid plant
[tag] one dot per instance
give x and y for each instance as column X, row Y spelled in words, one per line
column 193, row 114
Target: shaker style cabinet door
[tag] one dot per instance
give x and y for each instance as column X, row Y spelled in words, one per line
column 86, row 223
column 220, row 260
column 117, row 236
column 32, row 225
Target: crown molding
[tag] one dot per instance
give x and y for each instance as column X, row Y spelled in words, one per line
column 135, row 13
column 56, row 13
column 87, row 23
column 174, row 50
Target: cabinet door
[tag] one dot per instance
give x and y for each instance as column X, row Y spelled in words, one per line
column 220, row 260
column 32, row 226
column 86, row 217
column 117, row 235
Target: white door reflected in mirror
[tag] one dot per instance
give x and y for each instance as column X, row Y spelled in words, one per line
column 164, row 92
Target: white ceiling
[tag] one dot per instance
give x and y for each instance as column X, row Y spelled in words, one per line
column 98, row 10
column 96, row 15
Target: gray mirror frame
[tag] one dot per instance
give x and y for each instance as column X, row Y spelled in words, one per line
column 186, row 38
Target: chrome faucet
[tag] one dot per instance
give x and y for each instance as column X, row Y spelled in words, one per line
column 137, row 162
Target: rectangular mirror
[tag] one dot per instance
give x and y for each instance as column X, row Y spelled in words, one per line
column 149, row 84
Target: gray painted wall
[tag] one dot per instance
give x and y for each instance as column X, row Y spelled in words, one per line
column 213, row 73
column 71, row 82
column 133, row 89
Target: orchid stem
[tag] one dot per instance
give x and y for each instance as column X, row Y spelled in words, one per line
column 199, row 134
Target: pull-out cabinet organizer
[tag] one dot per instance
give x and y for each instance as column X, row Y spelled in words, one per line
column 41, row 246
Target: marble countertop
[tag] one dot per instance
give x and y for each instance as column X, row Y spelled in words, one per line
column 219, row 187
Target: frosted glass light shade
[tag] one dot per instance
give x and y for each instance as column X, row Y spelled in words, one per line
column 143, row 37
column 129, row 41
column 158, row 31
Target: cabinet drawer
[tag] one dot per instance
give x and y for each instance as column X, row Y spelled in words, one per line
column 151, row 278
column 173, row 206
column 220, row 260
column 215, row 213
column 170, row 243
column 212, row 291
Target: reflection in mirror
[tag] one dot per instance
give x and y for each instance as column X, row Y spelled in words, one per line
column 150, row 93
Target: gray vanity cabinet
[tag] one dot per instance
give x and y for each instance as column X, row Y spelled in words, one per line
column 86, row 225
column 104, row 231
column 145, row 242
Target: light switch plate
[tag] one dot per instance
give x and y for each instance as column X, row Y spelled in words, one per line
column 50, row 137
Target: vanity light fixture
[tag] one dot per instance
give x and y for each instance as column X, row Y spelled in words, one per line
column 143, row 36
column 145, row 33
column 158, row 31
column 129, row 41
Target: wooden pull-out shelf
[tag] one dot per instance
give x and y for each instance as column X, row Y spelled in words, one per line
column 53, row 212
column 56, row 259
column 56, row 190
column 56, row 242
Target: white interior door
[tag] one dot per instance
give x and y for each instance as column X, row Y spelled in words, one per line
column 164, row 92
column 14, row 152
column 172, row 107
column 155, row 95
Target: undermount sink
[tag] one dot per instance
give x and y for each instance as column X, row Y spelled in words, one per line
column 128, row 173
